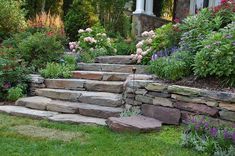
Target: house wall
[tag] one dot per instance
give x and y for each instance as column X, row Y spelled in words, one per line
column 182, row 9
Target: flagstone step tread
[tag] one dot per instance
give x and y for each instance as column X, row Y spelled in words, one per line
column 106, row 76
column 26, row 112
column 140, row 69
column 88, row 85
column 42, row 103
column 77, row 119
column 134, row 124
column 119, row 59
column 96, row 98
column 53, row 116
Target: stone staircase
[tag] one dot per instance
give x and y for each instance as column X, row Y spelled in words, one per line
column 93, row 94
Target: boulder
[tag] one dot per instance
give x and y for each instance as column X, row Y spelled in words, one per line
column 133, row 124
column 166, row 115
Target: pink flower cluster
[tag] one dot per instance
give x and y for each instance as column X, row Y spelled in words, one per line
column 144, row 46
column 73, row 46
column 86, row 30
column 90, row 40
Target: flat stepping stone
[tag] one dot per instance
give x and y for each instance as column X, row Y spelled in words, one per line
column 96, row 98
column 69, row 107
column 134, row 124
column 77, row 119
column 35, row 102
column 53, row 116
column 26, row 112
column 140, row 69
column 120, row 59
column 101, row 76
column 89, row 85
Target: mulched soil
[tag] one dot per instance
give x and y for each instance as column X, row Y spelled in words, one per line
column 210, row 83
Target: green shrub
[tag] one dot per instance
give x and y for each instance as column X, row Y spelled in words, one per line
column 166, row 37
column 56, row 70
column 79, row 16
column 174, row 67
column 11, row 18
column 70, row 61
column 124, row 48
column 15, row 93
column 12, row 73
column 217, row 57
column 35, row 49
column 196, row 28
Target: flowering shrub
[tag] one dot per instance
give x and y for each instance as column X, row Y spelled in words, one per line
column 93, row 42
column 163, row 39
column 144, row 47
column 217, row 57
column 203, row 137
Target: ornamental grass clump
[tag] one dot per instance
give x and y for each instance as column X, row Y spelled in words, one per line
column 204, row 137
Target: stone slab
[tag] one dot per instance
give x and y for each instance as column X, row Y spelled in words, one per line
column 197, row 108
column 104, row 86
column 63, row 106
column 158, row 87
column 201, row 100
column 162, row 101
column 140, row 69
column 228, row 106
column 166, row 115
column 77, row 119
column 99, row 111
column 91, row 75
column 119, row 59
column 35, row 102
column 227, row 115
column 64, row 83
column 26, row 112
column 134, row 124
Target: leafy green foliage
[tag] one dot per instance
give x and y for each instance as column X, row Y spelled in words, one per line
column 217, row 57
column 79, row 16
column 174, row 67
column 112, row 17
column 11, row 18
column 124, row 48
column 196, row 28
column 35, row 49
column 56, row 70
column 12, row 73
column 167, row 36
column 203, row 137
column 15, row 93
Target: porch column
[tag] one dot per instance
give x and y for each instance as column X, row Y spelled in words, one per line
column 139, row 7
column 149, row 7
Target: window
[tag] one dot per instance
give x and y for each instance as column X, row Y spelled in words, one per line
column 196, row 5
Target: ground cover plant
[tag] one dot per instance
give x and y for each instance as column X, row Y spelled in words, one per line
column 84, row 140
column 203, row 137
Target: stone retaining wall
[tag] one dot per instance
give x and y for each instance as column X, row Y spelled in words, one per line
column 36, row 82
column 174, row 104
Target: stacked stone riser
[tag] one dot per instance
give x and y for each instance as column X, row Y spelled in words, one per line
column 172, row 104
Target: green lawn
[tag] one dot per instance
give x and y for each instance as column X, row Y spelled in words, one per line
column 85, row 140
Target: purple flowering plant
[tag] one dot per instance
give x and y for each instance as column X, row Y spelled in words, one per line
column 200, row 129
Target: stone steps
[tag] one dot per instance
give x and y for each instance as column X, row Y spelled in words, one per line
column 119, row 59
column 88, row 85
column 96, row 98
column 140, row 69
column 43, row 103
column 53, row 116
column 107, row 76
